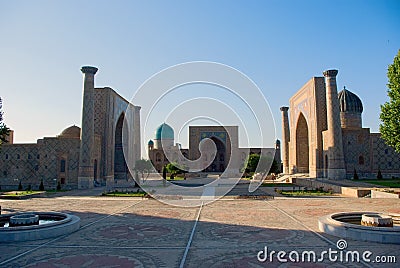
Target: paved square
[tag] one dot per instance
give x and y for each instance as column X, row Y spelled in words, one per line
column 134, row 232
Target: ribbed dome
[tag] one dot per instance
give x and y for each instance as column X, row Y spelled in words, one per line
column 164, row 132
column 349, row 102
column 72, row 132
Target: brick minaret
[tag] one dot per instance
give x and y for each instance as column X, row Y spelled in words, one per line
column 86, row 171
column 137, row 146
column 286, row 139
column 333, row 139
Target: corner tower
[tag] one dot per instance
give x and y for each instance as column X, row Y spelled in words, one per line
column 86, row 165
column 332, row 137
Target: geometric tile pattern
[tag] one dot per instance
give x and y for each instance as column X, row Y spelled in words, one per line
column 346, row 149
column 229, row 233
column 30, row 163
column 101, row 109
column 86, row 163
column 384, row 156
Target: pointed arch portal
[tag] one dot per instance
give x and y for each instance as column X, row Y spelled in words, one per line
column 302, row 145
column 120, row 166
column 218, row 164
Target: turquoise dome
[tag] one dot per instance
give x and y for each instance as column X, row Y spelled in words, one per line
column 164, row 132
column 150, row 142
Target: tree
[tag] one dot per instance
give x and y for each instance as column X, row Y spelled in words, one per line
column 20, row 186
column 41, row 186
column 58, row 186
column 164, row 175
column 275, row 167
column 390, row 111
column 261, row 164
column 144, row 167
column 355, row 175
column 251, row 163
column 174, row 169
column 379, row 176
column 4, row 130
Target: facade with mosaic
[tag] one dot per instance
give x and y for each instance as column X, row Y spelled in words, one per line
column 323, row 135
column 99, row 153
column 225, row 138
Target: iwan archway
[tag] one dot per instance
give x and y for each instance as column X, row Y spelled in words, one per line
column 218, row 164
column 121, row 170
column 302, row 145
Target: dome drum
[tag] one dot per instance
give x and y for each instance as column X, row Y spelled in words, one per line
column 350, row 109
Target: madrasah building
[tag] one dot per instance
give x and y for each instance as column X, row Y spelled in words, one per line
column 323, row 135
column 163, row 149
column 79, row 158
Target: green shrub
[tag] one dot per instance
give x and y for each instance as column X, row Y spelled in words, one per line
column 355, row 176
column 58, row 186
column 379, row 176
column 41, row 186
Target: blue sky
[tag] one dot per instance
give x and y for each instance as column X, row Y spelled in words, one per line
column 280, row 45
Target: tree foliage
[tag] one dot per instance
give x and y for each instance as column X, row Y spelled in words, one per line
column 144, row 167
column 58, row 186
column 4, row 130
column 379, row 176
column 41, row 186
column 174, row 168
column 355, row 175
column 164, row 172
column 390, row 111
column 261, row 164
column 164, row 175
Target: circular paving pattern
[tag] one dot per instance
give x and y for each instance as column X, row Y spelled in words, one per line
column 134, row 231
column 251, row 234
column 92, row 260
column 165, row 213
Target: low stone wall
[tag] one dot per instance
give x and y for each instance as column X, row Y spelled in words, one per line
column 355, row 191
column 312, row 184
column 381, row 194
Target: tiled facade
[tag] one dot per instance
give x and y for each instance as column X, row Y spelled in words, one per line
column 323, row 135
column 52, row 160
column 110, row 139
column 226, row 140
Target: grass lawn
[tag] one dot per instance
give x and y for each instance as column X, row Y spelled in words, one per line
column 305, row 193
column 176, row 178
column 393, row 183
column 22, row 193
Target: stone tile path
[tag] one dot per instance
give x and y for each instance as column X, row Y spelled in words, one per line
column 129, row 232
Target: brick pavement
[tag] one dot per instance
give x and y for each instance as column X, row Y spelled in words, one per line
column 131, row 232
